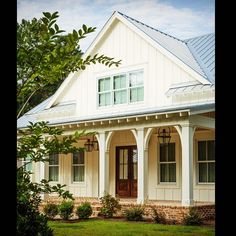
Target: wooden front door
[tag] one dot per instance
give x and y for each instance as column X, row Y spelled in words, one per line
column 126, row 171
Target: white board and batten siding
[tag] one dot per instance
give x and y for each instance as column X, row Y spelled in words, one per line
column 136, row 53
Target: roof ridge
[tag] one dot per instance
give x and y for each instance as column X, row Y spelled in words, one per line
column 151, row 27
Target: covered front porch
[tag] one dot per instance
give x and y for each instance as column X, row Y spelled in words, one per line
column 131, row 163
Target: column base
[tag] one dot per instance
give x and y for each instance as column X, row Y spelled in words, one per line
column 187, row 202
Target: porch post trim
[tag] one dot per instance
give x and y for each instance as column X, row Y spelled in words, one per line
column 186, row 136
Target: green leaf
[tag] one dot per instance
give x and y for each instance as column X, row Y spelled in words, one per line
column 45, row 20
column 52, row 31
column 55, row 15
column 51, row 23
column 84, row 28
column 75, row 34
column 56, row 27
column 80, row 32
column 47, row 14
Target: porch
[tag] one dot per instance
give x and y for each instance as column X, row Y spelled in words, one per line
column 130, row 161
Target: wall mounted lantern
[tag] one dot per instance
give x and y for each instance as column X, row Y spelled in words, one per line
column 163, row 135
column 91, row 145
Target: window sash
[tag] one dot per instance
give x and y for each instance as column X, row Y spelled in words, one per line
column 53, row 167
column 167, row 163
column 78, row 167
column 206, row 161
column 123, row 88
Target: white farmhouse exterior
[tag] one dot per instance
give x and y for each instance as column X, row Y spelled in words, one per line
column 162, row 82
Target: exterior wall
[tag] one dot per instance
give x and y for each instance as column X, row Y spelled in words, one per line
column 163, row 191
column 135, row 52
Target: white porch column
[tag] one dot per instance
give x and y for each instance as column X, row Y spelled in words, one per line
column 187, row 164
column 103, row 165
column 142, row 167
column 42, row 175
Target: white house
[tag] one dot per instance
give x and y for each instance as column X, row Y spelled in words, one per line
column 163, row 83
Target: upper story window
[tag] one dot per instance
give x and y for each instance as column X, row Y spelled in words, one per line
column 121, row 88
column 206, row 161
column 53, row 167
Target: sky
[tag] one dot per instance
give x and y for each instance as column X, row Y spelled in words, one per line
column 180, row 18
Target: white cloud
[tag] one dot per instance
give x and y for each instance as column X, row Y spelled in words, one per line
column 180, row 22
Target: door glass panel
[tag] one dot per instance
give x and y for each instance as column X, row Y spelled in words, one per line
column 123, row 164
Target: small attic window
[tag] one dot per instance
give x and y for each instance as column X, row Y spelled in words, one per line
column 121, row 88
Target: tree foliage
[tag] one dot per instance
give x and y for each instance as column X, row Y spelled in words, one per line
column 37, row 142
column 45, row 57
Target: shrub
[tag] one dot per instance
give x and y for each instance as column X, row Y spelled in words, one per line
column 66, row 209
column 158, row 217
column 134, row 214
column 84, row 210
column 110, row 205
column 193, row 218
column 50, row 210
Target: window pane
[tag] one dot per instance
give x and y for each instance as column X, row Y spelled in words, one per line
column 136, row 79
column 28, row 166
column 53, row 159
column 164, row 173
column 104, row 85
column 202, row 150
column 171, row 152
column 140, row 94
column 163, row 153
column 211, row 150
column 211, row 172
column 78, row 173
column 125, row 156
column 133, row 95
column 125, row 171
column 104, row 99
column 172, row 172
column 53, row 173
column 120, row 97
column 136, row 94
column 78, row 158
column 119, row 82
column 121, row 173
column 203, row 172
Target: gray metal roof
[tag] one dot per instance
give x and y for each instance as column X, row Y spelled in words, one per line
column 203, row 49
column 195, row 52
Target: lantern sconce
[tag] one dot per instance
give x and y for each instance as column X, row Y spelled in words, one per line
column 163, row 135
column 91, row 145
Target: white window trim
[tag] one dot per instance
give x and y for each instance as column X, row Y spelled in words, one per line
column 167, row 162
column 127, row 88
column 72, row 172
column 197, row 164
column 58, row 165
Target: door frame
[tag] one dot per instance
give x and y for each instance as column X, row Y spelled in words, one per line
column 117, row 174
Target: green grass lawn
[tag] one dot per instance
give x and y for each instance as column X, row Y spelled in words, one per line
column 124, row 228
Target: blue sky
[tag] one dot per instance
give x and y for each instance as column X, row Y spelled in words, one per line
column 180, row 18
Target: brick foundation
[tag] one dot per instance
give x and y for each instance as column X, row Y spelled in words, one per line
column 173, row 214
